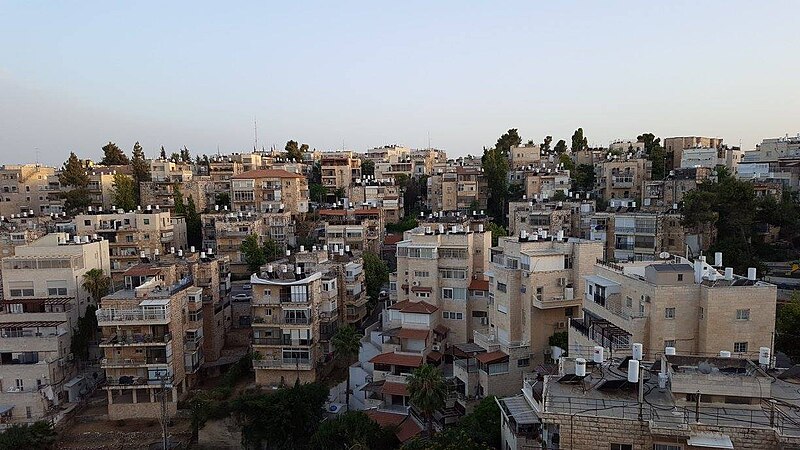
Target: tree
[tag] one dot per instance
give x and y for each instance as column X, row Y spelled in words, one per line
column 84, row 333
column 38, row 435
column 272, row 250
column 559, row 196
column 507, row 141
column 293, row 150
column 346, row 343
column 140, row 169
column 73, row 176
column 184, row 155
column 367, row 167
column 655, row 154
column 482, row 425
column 317, row 192
column 428, row 392
column 175, row 157
column 565, row 159
column 376, row 273
column 114, row 156
column 497, row 231
column 222, row 199
column 579, row 142
column 561, row 146
column 583, row 178
column 354, row 430
column 97, row 284
column 787, row 322
column 177, row 196
column 282, row 419
column 545, row 148
column 495, row 170
column 408, row 223
column 124, row 195
column 163, row 154
column 253, row 253
column 451, row 438
column 194, row 224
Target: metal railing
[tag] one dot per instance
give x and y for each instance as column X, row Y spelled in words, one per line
column 132, row 315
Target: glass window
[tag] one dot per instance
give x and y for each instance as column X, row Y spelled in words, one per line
column 740, row 347
column 669, row 313
column 742, row 314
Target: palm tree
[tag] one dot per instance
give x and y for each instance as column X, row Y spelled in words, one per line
column 346, row 343
column 97, row 284
column 428, row 392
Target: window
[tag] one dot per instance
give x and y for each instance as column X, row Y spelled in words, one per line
column 421, row 273
column 87, row 223
column 423, row 295
column 680, row 277
column 452, row 315
column 539, row 293
column 667, row 447
column 740, row 347
column 501, row 287
column 702, row 312
column 569, row 312
column 21, row 292
column 669, row 313
column 742, row 314
column 669, row 343
column 56, row 292
column 454, row 293
column 457, row 274
column 147, row 221
column 621, row 446
column 628, row 302
column 523, row 362
column 502, row 309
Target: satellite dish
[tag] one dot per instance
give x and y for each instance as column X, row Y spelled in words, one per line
column 704, row 367
column 663, row 255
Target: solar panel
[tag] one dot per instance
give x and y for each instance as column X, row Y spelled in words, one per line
column 617, row 385
column 624, row 364
column 571, row 379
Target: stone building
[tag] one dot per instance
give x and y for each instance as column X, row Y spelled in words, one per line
column 43, row 300
column 263, row 190
column 674, row 147
column 621, row 178
column 457, row 189
column 24, row 188
column 339, row 169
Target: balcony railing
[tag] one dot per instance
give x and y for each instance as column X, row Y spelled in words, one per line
column 118, row 316
column 146, row 339
column 282, row 341
column 131, row 362
column 285, row 363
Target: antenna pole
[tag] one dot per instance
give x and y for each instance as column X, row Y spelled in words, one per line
column 255, row 133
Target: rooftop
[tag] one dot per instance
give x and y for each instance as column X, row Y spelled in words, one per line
column 265, row 173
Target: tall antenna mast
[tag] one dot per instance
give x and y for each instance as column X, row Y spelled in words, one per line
column 255, row 133
column 429, row 140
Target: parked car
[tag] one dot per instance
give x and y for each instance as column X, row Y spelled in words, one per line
column 242, row 298
column 247, row 287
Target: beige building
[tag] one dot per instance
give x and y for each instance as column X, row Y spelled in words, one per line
column 339, row 169
column 387, row 153
column 534, row 289
column 553, row 216
column 101, row 184
column 457, row 189
column 545, row 184
column 675, row 146
column 524, row 155
column 627, row 146
column 661, row 195
column 267, row 190
column 152, row 338
column 686, row 402
column 359, row 229
column 43, row 300
column 24, row 188
column 694, row 307
column 166, row 177
column 377, row 193
column 622, row 178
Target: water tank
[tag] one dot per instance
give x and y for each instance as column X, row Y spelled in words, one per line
column 669, row 351
column 729, row 273
column 580, row 367
column 633, row 371
column 636, row 351
column 662, row 380
column 597, row 355
column 724, row 354
column 191, row 249
column 763, row 356
column 751, row 273
column 718, row 259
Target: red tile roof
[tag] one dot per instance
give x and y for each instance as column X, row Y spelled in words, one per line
column 441, row 330
column 419, row 308
column 479, row 285
column 435, row 356
column 367, row 211
column 332, row 212
column 265, row 173
column 392, row 239
column 394, row 389
column 491, row 357
column 410, row 333
column 396, row 359
column 406, row 427
column 142, row 270
column 421, row 289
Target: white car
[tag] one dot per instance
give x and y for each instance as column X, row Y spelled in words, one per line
column 242, row 297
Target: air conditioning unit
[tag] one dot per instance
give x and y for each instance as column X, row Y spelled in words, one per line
column 436, row 347
column 562, row 324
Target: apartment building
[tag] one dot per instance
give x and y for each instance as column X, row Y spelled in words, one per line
column 152, row 339
column 101, row 184
column 220, row 171
column 621, row 178
column 683, row 402
column 167, row 178
column 264, row 190
column 675, row 146
column 627, row 146
column 19, row 230
column 131, row 235
column 524, row 155
column 546, row 183
column 694, row 307
column 534, row 289
column 225, row 233
column 387, row 153
column 711, row 157
column 552, row 216
column 659, row 195
column 43, row 297
column 339, row 169
column 457, row 189
column 378, row 193
column 360, row 229
column 24, row 188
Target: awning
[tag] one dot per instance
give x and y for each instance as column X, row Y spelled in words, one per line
column 492, row 357
column 32, row 324
column 396, row 359
column 6, row 408
column 441, row 330
column 600, row 281
column 394, row 389
column 710, row 440
column 435, row 356
column 155, row 302
column 414, row 334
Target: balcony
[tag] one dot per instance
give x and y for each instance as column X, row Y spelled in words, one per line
column 113, row 317
column 135, row 381
column 203, row 282
column 285, row 364
column 136, row 340
column 280, row 320
column 192, row 344
column 112, row 363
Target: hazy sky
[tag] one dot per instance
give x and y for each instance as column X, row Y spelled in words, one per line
column 74, row 75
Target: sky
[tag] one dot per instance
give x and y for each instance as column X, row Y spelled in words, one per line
column 457, row 74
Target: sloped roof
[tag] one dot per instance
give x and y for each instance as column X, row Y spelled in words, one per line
column 479, row 285
column 491, row 357
column 396, row 359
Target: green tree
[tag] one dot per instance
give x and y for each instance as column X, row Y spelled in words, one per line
column 483, row 424
column 177, row 196
column 38, row 435
column 356, row 431
column 346, row 343
column 559, row 196
column 175, row 157
column 124, row 195
column 184, row 155
column 253, row 253
column 114, row 156
column 282, row 419
column 497, row 231
column 495, row 170
column 561, row 146
column 579, row 142
column 428, row 392
column 545, row 148
column 583, row 178
column 376, row 273
column 655, row 154
column 163, row 154
column 453, row 438
column 367, row 167
column 474, row 206
column 141, row 170
column 97, row 284
column 317, row 192
column 787, row 324
column 565, row 159
column 507, row 141
column 408, row 223
column 222, row 199
column 340, row 194
column 293, row 150
column 194, row 224
column 272, row 250
column 73, row 176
